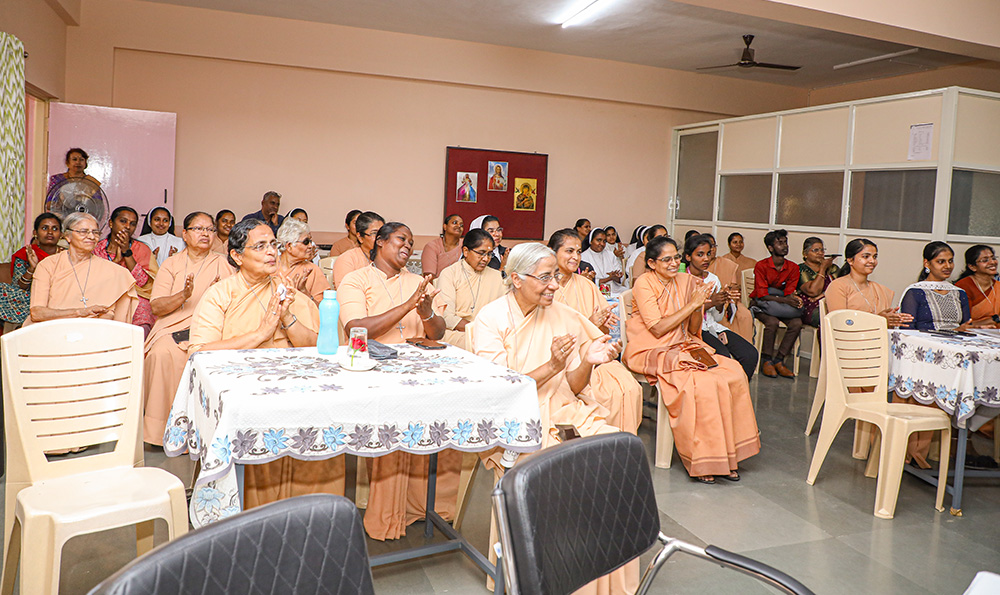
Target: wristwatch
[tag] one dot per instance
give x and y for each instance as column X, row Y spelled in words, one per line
column 126, row 253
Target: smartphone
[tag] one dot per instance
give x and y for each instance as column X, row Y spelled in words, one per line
column 426, row 343
column 834, row 255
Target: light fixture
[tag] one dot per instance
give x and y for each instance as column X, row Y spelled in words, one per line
column 581, row 14
column 876, row 58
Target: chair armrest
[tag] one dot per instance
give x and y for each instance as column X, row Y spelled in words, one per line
column 758, row 569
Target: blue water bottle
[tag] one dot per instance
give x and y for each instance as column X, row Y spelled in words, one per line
column 329, row 316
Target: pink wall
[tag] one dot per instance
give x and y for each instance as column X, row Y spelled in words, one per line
column 337, row 117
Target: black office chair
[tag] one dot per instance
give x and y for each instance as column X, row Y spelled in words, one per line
column 305, row 545
column 577, row 511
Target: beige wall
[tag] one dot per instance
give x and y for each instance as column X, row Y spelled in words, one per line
column 43, row 33
column 975, row 75
column 336, row 117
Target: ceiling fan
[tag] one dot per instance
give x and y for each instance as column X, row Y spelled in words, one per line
column 747, row 61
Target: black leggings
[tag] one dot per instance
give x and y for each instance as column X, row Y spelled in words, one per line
column 736, row 348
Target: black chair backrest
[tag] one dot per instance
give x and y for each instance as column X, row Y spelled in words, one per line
column 309, row 544
column 578, row 511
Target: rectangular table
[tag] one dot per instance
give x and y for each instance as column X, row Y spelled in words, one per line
column 961, row 375
column 256, row 405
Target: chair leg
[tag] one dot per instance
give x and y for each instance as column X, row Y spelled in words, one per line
column 827, row 432
column 41, row 558
column 996, row 440
column 814, row 360
column 890, row 471
column 795, row 359
column 143, row 537
column 664, row 435
column 943, row 468
column 874, row 457
column 862, row 439
column 818, row 399
column 11, row 558
column 178, row 521
column 470, row 467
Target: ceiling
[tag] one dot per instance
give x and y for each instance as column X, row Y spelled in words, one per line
column 657, row 33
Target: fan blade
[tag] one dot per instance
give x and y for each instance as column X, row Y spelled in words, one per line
column 776, row 66
column 716, row 67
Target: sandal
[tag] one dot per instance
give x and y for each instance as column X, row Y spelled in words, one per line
column 734, row 476
column 705, row 479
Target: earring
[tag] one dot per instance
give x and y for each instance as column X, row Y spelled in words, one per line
column 927, row 270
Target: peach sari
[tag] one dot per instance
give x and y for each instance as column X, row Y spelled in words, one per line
column 165, row 357
column 502, row 334
column 92, row 282
column 342, row 245
column 464, row 292
column 315, row 280
column 711, row 412
column 231, row 308
column 348, row 262
column 398, row 492
column 611, row 384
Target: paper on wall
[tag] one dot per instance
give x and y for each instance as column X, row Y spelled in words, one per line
column 921, row 136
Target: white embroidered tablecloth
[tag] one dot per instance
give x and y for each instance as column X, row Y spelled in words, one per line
column 256, row 405
column 958, row 374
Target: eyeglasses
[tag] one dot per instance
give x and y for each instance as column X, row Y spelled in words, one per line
column 546, row 279
column 200, row 229
column 668, row 259
column 986, row 259
column 304, row 242
column 481, row 253
column 87, row 232
column 261, row 246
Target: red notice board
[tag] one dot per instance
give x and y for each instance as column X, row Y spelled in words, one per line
column 508, row 185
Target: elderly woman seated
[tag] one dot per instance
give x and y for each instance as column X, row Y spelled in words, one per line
column 257, row 308
column 394, row 305
column 297, row 250
column 77, row 284
column 179, row 285
column 711, row 413
column 528, row 331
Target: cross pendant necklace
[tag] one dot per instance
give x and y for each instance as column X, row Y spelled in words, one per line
column 83, row 288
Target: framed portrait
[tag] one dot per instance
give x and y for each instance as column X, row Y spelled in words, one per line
column 498, row 176
column 525, row 194
column 467, row 183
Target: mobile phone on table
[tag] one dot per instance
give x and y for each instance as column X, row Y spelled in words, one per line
column 426, row 343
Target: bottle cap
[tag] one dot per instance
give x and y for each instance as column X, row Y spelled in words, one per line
column 329, row 294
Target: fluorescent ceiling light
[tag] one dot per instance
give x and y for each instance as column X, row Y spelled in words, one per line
column 584, row 12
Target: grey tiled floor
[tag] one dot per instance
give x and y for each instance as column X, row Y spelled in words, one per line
column 825, row 535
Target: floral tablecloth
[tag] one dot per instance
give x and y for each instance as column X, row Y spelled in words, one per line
column 256, row 405
column 958, row 374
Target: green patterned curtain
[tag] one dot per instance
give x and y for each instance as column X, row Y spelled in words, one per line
column 12, row 127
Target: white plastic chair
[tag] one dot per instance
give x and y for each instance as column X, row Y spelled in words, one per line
column 664, row 435
column 819, row 397
column 746, row 289
column 67, row 384
column 856, row 368
column 326, row 265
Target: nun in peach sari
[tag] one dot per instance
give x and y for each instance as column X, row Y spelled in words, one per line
column 730, row 274
column 367, row 224
column 179, row 285
column 247, row 310
column 468, row 285
column 297, row 251
column 76, row 283
column 611, row 383
column 394, row 305
column 707, row 396
column 528, row 331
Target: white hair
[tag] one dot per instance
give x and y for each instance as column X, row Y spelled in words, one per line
column 291, row 231
column 524, row 259
column 75, row 217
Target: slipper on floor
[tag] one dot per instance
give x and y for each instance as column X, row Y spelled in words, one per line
column 983, row 462
column 705, row 480
column 731, row 477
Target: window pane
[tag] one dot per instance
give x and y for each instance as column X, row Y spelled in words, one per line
column 810, row 199
column 745, row 198
column 901, row 200
column 696, row 175
column 973, row 209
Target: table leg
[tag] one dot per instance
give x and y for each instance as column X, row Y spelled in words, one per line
column 956, row 497
column 239, row 484
column 432, row 466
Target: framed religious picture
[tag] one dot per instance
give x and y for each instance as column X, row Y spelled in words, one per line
column 514, row 188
